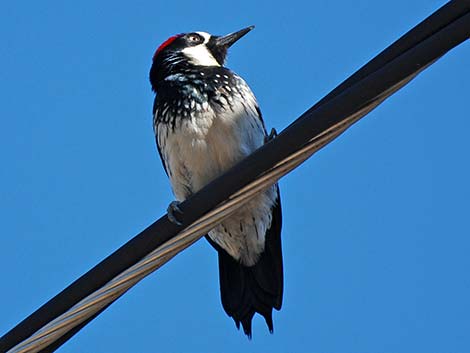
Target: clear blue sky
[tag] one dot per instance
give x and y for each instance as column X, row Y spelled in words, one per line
column 376, row 226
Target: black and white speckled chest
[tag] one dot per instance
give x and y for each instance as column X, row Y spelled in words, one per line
column 205, row 123
column 185, row 95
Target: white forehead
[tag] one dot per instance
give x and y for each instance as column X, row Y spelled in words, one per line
column 205, row 35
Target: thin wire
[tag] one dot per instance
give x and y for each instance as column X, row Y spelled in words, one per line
column 112, row 290
column 124, row 281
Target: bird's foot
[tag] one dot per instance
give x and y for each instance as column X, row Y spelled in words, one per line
column 172, row 210
column 271, row 135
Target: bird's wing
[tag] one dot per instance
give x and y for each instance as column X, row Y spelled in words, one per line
column 155, row 127
column 260, row 116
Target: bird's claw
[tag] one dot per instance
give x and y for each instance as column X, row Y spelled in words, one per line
column 271, row 135
column 172, row 210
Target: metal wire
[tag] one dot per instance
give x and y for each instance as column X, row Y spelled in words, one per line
column 124, row 281
column 112, row 290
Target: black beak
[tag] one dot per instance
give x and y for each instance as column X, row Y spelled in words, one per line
column 229, row 39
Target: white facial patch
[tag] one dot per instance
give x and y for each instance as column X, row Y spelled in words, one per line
column 199, row 54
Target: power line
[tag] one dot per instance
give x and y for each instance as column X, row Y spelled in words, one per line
column 355, row 97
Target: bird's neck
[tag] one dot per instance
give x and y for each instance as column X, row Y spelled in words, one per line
column 165, row 66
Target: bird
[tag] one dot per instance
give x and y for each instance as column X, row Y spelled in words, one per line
column 206, row 119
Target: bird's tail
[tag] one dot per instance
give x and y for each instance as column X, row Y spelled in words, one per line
column 255, row 289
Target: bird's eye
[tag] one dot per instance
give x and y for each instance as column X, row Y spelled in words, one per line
column 194, row 38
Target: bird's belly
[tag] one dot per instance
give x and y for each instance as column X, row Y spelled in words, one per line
column 206, row 145
column 203, row 149
column 207, row 157
column 243, row 234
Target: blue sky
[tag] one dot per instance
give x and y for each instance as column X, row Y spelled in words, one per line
column 376, row 232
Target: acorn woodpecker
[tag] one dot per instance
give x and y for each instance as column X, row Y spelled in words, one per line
column 206, row 119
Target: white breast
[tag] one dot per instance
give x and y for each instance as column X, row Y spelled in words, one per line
column 206, row 145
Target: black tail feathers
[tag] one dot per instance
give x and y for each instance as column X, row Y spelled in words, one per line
column 255, row 289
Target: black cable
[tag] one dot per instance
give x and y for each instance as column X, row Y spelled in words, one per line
column 55, row 345
column 447, row 14
column 439, row 33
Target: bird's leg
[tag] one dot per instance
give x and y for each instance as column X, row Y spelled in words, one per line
column 271, row 135
column 172, row 210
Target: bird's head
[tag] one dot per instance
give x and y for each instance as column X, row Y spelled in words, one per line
column 187, row 51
